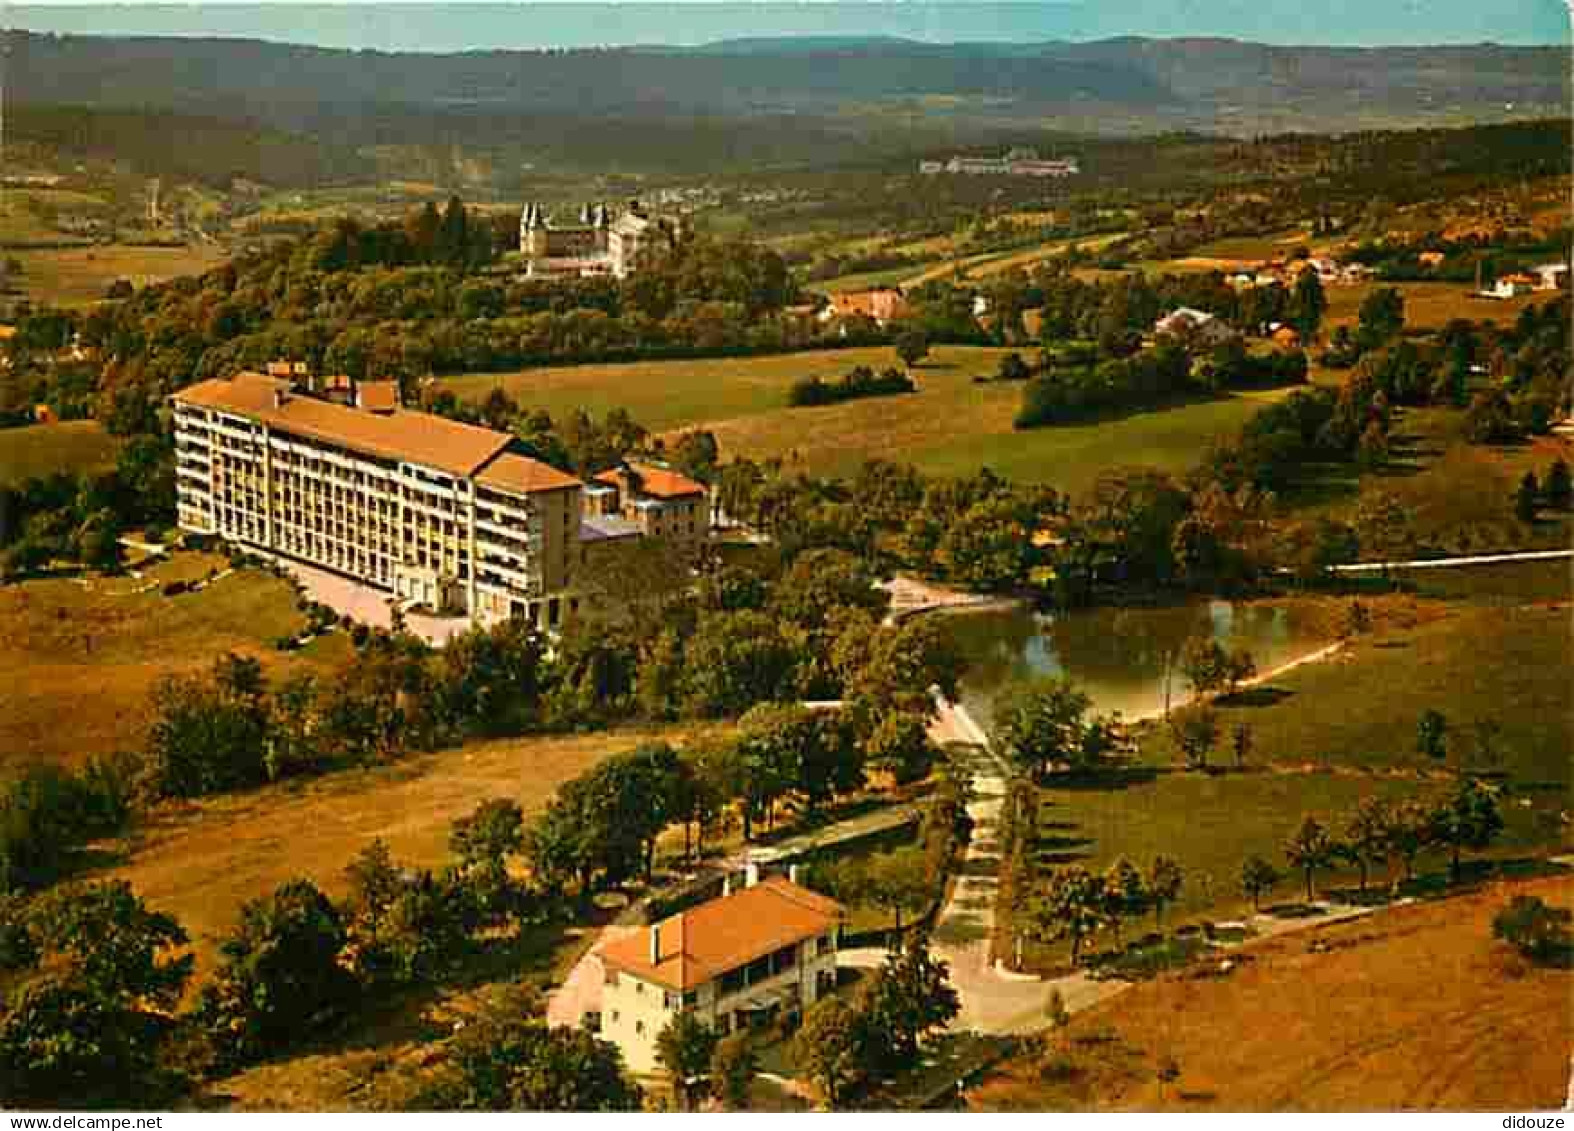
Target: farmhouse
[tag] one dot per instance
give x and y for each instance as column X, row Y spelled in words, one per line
column 441, row 514
column 884, row 304
column 754, row 956
column 1552, row 276
column 1195, row 329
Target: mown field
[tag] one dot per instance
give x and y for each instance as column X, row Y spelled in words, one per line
column 43, row 449
column 79, row 276
column 951, row 425
column 1357, row 711
column 1415, row 1008
column 82, row 655
column 1325, row 735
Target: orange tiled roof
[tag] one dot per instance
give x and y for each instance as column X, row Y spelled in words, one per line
column 417, row 437
column 378, row 396
column 657, row 482
column 703, row 943
column 524, row 476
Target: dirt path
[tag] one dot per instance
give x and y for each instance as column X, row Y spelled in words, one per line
column 1452, row 563
column 998, row 1001
column 1327, row 652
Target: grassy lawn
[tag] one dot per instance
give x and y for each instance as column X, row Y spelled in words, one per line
column 1359, row 709
column 1209, row 823
column 1460, row 496
column 79, row 276
column 950, row 426
column 42, row 449
column 83, row 654
column 1414, row 1008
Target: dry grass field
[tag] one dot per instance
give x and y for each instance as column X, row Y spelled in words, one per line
column 201, row 861
column 1430, row 306
column 42, row 449
column 79, row 276
column 80, row 656
column 1416, row 1008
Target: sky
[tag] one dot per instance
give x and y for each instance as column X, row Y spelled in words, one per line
column 415, row 25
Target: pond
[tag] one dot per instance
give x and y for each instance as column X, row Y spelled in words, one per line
column 1119, row 657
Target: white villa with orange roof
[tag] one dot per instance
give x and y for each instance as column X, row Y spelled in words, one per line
column 763, row 952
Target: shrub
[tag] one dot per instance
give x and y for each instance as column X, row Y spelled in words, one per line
column 281, row 980
column 1537, row 931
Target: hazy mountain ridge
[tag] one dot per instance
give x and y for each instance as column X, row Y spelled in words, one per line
column 1193, row 78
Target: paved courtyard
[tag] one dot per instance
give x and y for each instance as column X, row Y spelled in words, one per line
column 368, row 605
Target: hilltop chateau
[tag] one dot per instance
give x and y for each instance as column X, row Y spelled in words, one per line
column 442, row 515
column 600, row 243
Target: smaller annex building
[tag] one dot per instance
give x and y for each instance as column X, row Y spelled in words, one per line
column 764, row 952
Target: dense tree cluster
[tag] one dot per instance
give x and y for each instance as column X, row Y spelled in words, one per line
column 80, row 518
column 846, row 1046
column 861, row 381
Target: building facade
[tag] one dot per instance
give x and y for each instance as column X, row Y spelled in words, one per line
column 601, row 243
column 441, row 514
column 754, row 956
column 655, row 501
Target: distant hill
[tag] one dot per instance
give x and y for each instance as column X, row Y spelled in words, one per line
column 302, row 115
column 1195, row 83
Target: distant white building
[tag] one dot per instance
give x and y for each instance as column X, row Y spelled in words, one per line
column 1552, row 276
column 1194, row 328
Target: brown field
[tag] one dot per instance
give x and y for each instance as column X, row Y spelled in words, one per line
column 80, row 658
column 79, row 276
column 202, row 861
column 1429, row 306
column 1415, row 1008
column 42, row 449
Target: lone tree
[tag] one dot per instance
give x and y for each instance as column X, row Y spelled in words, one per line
column 1432, row 735
column 1527, row 498
column 1125, row 894
column 1258, row 878
column 1469, row 818
column 684, row 1049
column 1558, row 485
column 899, row 881
column 1196, row 731
column 1241, row 743
column 1074, row 907
column 829, row 1047
column 1366, row 836
column 733, row 1067
column 1311, row 849
column 912, row 345
column 1165, row 879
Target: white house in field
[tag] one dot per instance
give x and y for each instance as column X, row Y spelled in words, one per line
column 764, row 952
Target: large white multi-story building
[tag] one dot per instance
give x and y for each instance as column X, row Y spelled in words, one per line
column 445, row 515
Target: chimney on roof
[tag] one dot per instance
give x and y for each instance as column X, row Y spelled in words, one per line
column 726, row 885
column 281, row 393
column 792, row 873
column 655, row 944
column 751, row 874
